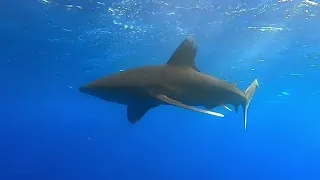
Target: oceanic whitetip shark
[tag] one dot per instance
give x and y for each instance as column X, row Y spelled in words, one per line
column 178, row 83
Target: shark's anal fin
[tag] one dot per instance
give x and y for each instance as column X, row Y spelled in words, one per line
column 236, row 106
column 168, row 100
column 185, row 54
column 136, row 111
column 214, row 106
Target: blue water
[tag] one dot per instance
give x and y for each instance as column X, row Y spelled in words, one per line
column 49, row 130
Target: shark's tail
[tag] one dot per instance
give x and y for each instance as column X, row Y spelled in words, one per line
column 249, row 94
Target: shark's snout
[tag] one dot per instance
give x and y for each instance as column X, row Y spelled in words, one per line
column 86, row 90
column 82, row 89
column 92, row 91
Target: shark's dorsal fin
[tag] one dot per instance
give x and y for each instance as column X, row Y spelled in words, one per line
column 185, row 54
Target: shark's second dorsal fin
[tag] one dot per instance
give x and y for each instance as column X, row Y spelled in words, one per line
column 185, row 54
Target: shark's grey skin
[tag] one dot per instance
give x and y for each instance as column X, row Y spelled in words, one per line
column 178, row 82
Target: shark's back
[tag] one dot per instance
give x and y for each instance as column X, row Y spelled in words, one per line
column 135, row 77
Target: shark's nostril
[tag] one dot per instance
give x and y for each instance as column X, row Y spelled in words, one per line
column 82, row 89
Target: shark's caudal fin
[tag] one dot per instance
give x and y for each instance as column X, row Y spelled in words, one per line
column 249, row 94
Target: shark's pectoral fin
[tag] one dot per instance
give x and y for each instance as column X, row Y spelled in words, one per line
column 136, row 111
column 168, row 100
column 185, row 54
column 214, row 106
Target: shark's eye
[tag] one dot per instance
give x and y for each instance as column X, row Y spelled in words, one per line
column 149, row 91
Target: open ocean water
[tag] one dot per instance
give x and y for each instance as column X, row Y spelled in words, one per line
column 51, row 131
